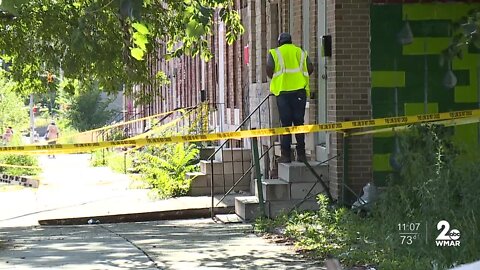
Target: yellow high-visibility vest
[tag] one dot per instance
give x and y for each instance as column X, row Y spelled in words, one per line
column 291, row 71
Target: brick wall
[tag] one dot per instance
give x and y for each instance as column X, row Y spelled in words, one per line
column 348, row 21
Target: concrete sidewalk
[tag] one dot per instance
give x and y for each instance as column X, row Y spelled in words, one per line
column 70, row 188
column 181, row 244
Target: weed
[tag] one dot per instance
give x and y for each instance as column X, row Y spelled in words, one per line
column 437, row 181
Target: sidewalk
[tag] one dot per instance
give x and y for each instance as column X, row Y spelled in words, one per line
column 70, row 188
column 181, row 244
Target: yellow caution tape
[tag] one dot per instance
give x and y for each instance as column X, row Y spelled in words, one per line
column 19, row 166
column 119, row 124
column 328, row 127
column 162, row 127
column 447, row 123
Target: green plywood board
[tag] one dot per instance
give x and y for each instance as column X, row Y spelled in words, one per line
column 418, row 108
column 387, row 134
column 466, row 135
column 384, row 43
column 466, row 94
column 463, row 76
column 469, row 60
column 388, row 79
column 381, row 179
column 415, row 12
column 383, row 145
column 426, row 45
column 430, row 24
column 432, row 28
column 381, row 163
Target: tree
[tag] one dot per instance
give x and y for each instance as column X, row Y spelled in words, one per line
column 12, row 111
column 105, row 40
column 466, row 33
column 86, row 108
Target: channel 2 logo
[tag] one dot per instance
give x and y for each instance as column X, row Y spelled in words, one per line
column 447, row 237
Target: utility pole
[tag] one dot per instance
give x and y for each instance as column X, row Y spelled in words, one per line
column 32, row 120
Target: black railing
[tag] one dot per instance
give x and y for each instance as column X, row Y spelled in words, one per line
column 231, row 143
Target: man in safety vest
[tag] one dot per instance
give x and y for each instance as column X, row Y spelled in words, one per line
column 290, row 68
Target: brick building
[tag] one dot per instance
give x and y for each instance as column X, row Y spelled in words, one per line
column 235, row 81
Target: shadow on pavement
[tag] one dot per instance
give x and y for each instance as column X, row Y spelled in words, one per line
column 183, row 244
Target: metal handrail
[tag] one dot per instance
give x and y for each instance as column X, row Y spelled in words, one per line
column 241, row 177
column 240, row 125
column 221, row 146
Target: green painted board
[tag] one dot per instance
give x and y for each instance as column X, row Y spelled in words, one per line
column 418, row 108
column 388, row 79
column 381, row 163
column 451, row 11
column 426, row 45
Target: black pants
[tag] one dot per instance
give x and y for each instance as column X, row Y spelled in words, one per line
column 291, row 108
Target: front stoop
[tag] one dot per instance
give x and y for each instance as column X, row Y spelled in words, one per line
column 299, row 173
column 228, row 167
column 296, row 188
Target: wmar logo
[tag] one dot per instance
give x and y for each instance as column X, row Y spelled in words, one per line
column 447, row 237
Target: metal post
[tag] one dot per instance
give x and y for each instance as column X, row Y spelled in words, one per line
column 212, row 190
column 32, row 120
column 125, row 162
column 478, row 100
column 258, row 175
column 425, row 83
column 345, row 166
column 103, row 150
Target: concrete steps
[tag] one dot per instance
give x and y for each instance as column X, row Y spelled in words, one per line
column 296, row 187
column 201, row 183
column 221, row 167
column 228, row 166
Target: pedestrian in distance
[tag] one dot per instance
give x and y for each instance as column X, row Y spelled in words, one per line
column 290, row 68
column 52, row 135
column 7, row 136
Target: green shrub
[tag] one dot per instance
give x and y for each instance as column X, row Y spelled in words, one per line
column 437, row 181
column 164, row 168
column 114, row 160
column 99, row 158
column 22, row 160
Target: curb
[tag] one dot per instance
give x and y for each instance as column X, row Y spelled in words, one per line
column 139, row 217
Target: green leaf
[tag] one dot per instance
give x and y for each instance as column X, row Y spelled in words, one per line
column 142, row 29
column 139, row 38
column 137, row 53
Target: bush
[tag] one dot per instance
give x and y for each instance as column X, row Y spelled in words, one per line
column 164, row 168
column 114, row 160
column 22, row 160
column 437, row 181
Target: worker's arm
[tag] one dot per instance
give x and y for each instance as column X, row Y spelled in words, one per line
column 310, row 66
column 270, row 65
